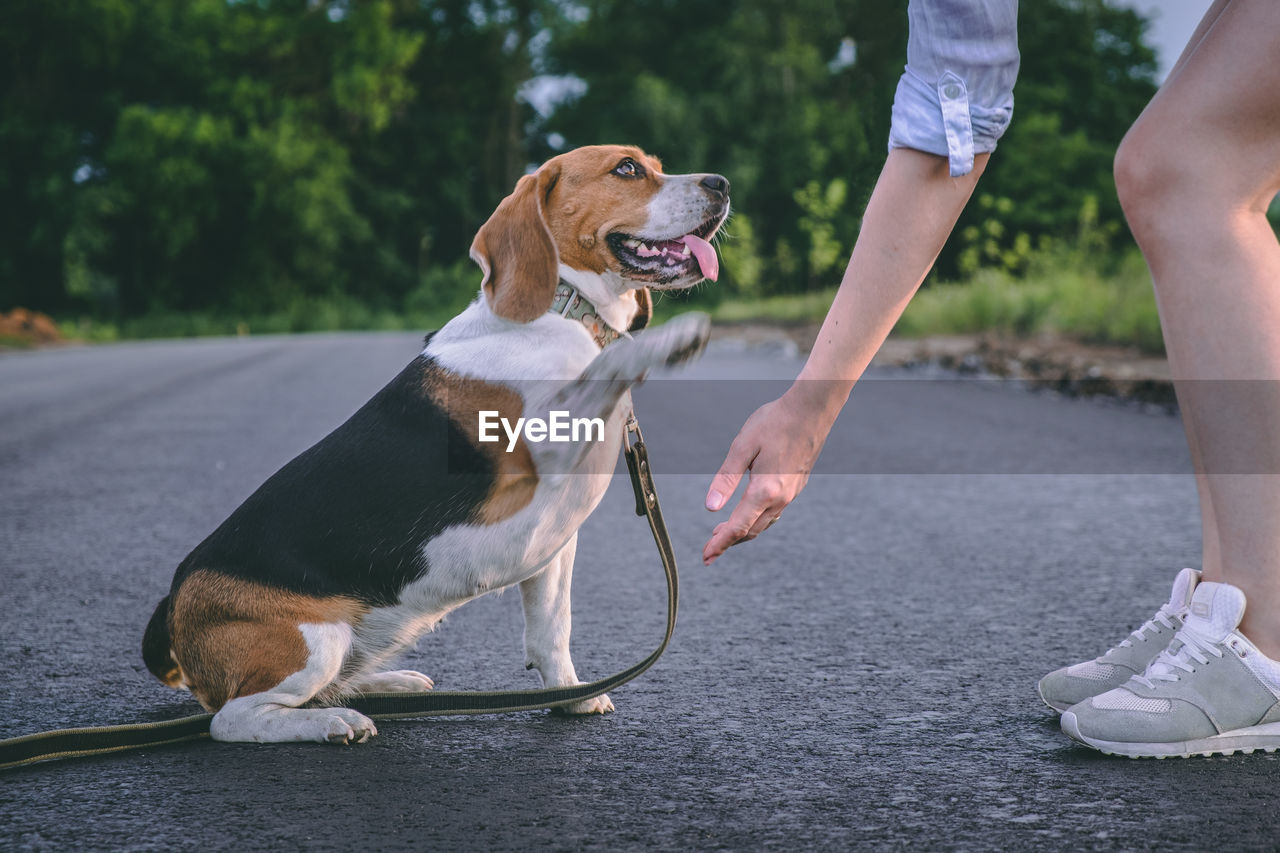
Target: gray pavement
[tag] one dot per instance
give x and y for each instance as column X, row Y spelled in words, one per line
column 862, row 675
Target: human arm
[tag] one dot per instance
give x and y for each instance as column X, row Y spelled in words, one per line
column 912, row 210
column 954, row 101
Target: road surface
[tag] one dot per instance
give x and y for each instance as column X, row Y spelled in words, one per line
column 862, row 675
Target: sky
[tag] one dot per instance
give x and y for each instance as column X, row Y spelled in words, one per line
column 1172, row 23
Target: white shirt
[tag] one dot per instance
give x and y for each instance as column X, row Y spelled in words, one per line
column 955, row 98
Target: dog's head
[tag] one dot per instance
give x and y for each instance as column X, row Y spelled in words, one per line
column 603, row 209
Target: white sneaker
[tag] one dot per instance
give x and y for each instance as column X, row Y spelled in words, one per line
column 1065, row 687
column 1210, row 691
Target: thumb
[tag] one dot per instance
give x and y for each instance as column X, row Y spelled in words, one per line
column 726, row 480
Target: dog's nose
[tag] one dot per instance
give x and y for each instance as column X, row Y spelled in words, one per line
column 717, row 184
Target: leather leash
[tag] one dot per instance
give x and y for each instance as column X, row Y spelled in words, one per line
column 100, row 740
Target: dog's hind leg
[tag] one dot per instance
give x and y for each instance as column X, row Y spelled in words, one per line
column 274, row 716
column 547, row 623
column 399, row 681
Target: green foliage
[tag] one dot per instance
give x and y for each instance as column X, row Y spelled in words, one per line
column 740, row 258
column 441, row 294
column 766, row 102
column 818, row 221
column 307, row 164
column 1066, row 292
column 748, row 90
column 789, row 308
column 214, row 156
column 1086, row 74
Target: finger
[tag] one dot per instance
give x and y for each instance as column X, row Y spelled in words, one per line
column 765, row 521
column 719, row 542
column 726, row 480
column 738, row 526
column 722, row 539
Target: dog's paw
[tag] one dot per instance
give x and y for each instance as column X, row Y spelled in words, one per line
column 595, row 705
column 629, row 361
column 343, row 726
column 255, row 720
column 678, row 341
column 399, row 681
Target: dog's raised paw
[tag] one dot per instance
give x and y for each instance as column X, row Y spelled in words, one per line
column 684, row 338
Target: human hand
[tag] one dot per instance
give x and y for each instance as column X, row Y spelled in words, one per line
column 778, row 445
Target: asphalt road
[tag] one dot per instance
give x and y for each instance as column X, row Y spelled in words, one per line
column 862, row 675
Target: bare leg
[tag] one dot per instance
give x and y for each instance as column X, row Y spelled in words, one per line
column 1195, row 175
column 1210, row 561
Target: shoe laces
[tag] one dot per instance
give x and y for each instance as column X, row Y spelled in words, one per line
column 1162, row 617
column 1190, row 650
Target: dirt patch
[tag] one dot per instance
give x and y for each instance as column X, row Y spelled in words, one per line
column 23, row 328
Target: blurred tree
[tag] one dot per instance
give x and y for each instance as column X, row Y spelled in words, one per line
column 1086, row 74
column 433, row 177
column 241, row 155
column 787, row 98
column 56, row 110
column 775, row 95
column 200, row 148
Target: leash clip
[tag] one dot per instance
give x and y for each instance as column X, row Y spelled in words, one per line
column 637, row 457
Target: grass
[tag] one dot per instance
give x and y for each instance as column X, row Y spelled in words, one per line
column 312, row 315
column 1064, row 294
column 441, row 295
column 786, row 308
column 15, row 342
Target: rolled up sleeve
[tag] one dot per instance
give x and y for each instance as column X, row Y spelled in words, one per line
column 955, row 98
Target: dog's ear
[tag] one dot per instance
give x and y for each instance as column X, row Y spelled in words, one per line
column 645, row 314
column 516, row 252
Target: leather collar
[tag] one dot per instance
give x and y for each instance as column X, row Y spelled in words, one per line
column 571, row 304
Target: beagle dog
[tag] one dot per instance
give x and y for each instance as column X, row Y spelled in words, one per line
column 418, row 503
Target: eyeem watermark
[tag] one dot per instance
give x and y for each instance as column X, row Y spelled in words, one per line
column 559, row 426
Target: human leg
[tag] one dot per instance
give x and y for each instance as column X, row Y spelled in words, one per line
column 1195, row 175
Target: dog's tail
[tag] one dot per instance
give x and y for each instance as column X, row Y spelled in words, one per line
column 156, row 649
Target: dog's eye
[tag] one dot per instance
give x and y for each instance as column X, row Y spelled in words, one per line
column 628, row 169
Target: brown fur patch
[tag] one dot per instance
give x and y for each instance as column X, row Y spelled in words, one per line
column 644, row 310
column 173, row 676
column 517, row 253
column 463, row 399
column 561, row 214
column 587, row 202
column 233, row 637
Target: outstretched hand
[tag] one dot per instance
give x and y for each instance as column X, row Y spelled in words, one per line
column 912, row 210
column 776, row 449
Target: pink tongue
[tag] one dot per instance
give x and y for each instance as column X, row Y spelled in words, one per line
column 706, row 256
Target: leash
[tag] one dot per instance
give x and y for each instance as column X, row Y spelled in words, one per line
column 100, row 740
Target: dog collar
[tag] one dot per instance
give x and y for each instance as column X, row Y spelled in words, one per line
column 571, row 304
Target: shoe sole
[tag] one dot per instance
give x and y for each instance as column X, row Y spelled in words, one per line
column 1246, row 740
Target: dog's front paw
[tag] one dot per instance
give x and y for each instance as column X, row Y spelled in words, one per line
column 595, row 705
column 343, row 726
column 629, row 362
column 680, row 340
